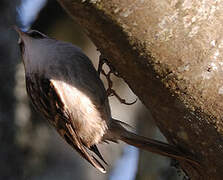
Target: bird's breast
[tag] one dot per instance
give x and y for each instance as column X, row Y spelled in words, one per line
column 86, row 118
column 61, row 102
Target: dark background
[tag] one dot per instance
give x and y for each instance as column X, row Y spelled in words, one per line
column 29, row 148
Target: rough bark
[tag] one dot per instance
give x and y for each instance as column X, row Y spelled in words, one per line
column 170, row 54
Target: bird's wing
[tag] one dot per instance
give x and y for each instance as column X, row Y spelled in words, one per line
column 81, row 149
column 46, row 100
column 67, row 130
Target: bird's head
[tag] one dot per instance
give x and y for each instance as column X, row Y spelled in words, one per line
column 28, row 36
column 35, row 48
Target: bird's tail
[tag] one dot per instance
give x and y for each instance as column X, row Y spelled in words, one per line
column 119, row 132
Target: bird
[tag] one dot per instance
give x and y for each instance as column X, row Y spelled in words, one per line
column 65, row 88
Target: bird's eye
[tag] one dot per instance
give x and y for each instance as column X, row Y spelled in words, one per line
column 36, row 34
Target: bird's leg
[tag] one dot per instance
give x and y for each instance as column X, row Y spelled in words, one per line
column 110, row 91
column 102, row 61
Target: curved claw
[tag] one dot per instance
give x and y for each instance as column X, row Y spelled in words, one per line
column 110, row 91
column 130, row 103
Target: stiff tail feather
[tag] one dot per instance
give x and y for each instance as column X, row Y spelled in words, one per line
column 151, row 145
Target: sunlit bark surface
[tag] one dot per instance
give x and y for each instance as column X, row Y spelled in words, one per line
column 170, row 54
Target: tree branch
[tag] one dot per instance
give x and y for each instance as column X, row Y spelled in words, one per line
column 169, row 53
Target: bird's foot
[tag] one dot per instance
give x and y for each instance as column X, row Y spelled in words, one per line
column 112, row 70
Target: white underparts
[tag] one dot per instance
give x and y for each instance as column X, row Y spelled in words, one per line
column 85, row 117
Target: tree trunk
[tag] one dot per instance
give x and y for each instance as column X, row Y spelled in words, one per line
column 169, row 53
